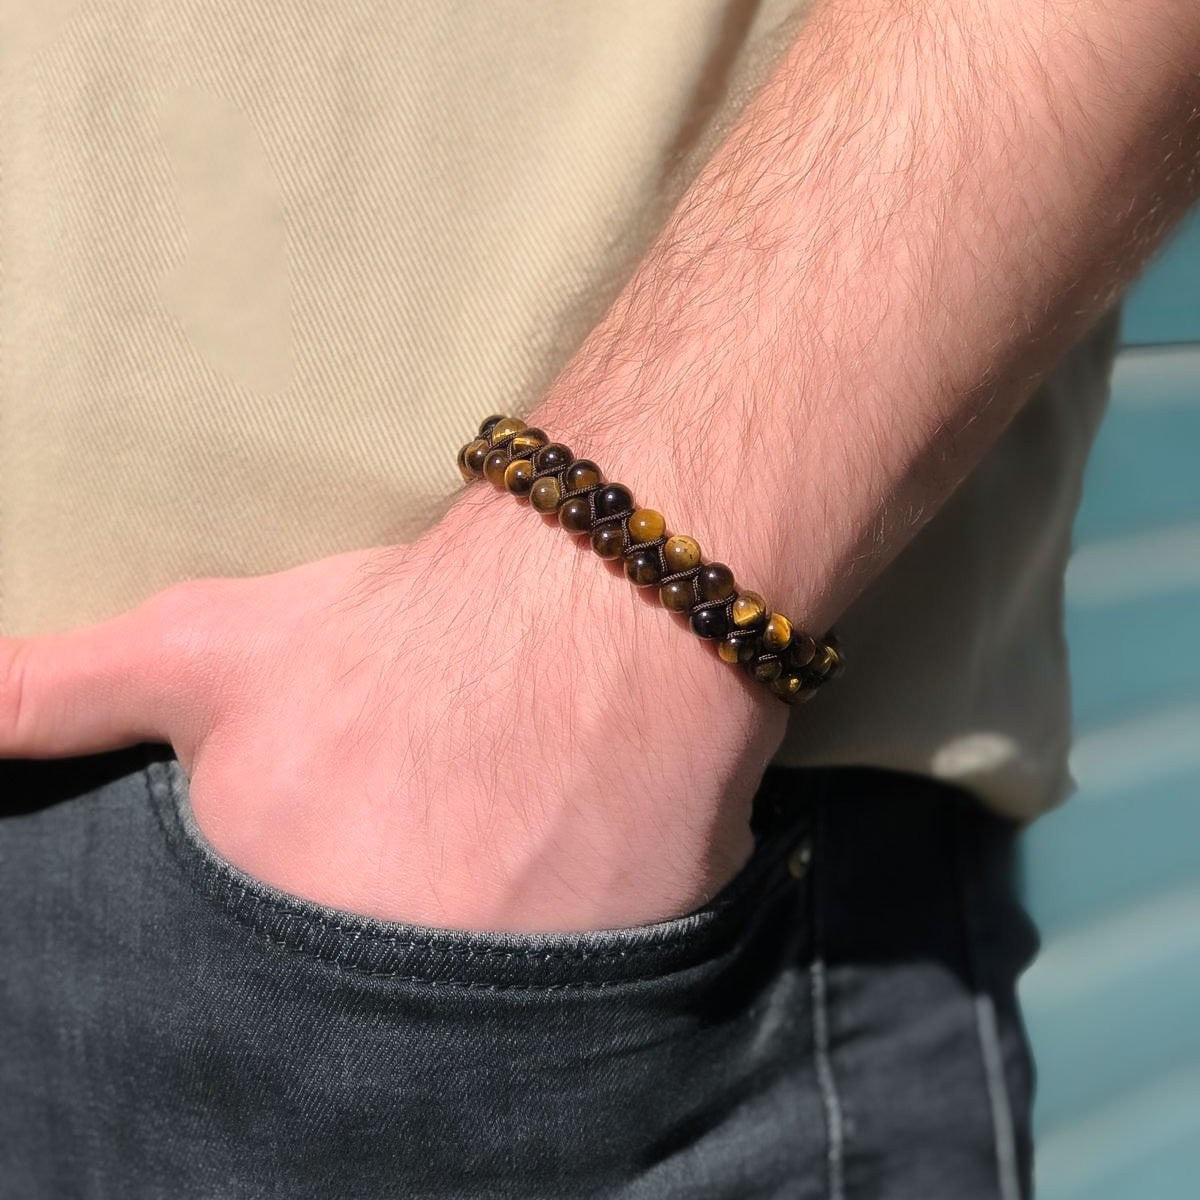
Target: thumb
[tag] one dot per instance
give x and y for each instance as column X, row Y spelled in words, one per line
column 100, row 687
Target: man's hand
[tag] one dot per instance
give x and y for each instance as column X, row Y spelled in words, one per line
column 484, row 729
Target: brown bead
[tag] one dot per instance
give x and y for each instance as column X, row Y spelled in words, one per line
column 767, row 669
column 485, row 427
column 646, row 525
column 608, row 541
column 553, row 457
column 681, row 552
column 835, row 667
column 825, row 662
column 677, row 596
column 474, row 455
column 801, row 650
column 716, row 581
column 727, row 651
column 710, row 623
column 738, row 648
column 777, row 632
column 787, row 687
column 575, row 515
column 527, row 441
column 494, row 467
column 612, row 499
column 463, row 469
column 502, row 429
column 545, row 494
column 748, row 609
column 643, row 568
column 582, row 473
column 518, row 476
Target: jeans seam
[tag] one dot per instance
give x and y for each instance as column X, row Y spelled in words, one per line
column 983, row 1012
column 835, row 1126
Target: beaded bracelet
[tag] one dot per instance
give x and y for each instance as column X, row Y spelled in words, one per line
column 771, row 649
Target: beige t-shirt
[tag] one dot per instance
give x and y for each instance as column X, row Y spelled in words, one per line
column 264, row 265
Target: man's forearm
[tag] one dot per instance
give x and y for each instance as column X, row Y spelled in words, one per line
column 922, row 209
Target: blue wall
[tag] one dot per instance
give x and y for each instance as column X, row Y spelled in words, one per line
column 1113, row 878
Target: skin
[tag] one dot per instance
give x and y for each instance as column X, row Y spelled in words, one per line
column 487, row 728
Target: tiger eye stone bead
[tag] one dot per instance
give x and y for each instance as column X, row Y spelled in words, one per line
column 582, row 473
column 608, row 541
column 463, row 469
column 681, row 552
column 475, row 453
column 487, row 424
column 642, row 567
column 677, row 596
column 503, row 428
column 575, row 515
column 824, row 661
column 801, row 650
column 646, row 525
column 736, row 649
column 787, row 687
column 710, row 623
column 777, row 632
column 613, row 499
column 518, row 476
column 767, row 670
column 836, row 665
column 553, row 457
column 526, row 442
column 494, row 467
column 716, row 581
column 748, row 609
column 545, row 494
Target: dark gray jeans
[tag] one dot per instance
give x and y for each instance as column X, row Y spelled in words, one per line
column 839, row 1022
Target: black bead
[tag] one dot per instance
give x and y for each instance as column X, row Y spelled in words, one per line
column 553, row 457
column 643, row 568
column 716, row 581
column 474, row 455
column 612, row 499
column 486, row 426
column 710, row 623
column 575, row 515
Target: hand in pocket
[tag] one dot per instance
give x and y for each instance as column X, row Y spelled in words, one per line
column 482, row 729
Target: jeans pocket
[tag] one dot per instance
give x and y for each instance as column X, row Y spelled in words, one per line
column 420, row 954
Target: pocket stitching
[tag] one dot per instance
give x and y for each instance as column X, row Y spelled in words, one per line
column 294, row 923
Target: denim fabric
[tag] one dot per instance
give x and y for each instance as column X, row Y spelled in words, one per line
column 839, row 1022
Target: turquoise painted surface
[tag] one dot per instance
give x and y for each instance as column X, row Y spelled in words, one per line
column 1165, row 307
column 1113, row 878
